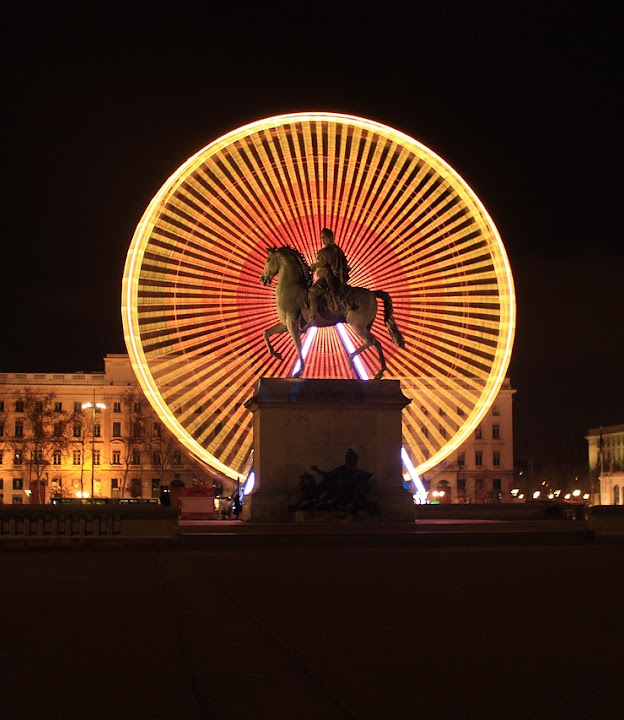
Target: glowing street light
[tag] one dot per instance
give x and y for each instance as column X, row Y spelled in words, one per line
column 94, row 408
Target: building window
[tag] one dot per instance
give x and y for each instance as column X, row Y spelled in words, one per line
column 496, row 485
column 56, row 457
column 114, row 483
column 1, row 429
column 96, row 457
column 1, row 405
column 136, row 457
column 17, row 458
column 177, row 458
column 496, row 460
column 461, row 459
column 157, row 429
column 478, row 458
column 155, row 487
column 136, row 488
column 77, row 456
column 156, row 459
column 116, row 429
column 495, row 410
column 496, row 431
column 18, row 483
column 77, row 407
column 58, row 407
column 136, row 429
column 461, row 486
column 1, row 484
column 77, row 429
column 18, row 500
column 19, row 406
column 116, row 407
column 137, row 408
column 19, row 428
column 116, row 457
column 97, row 431
column 1, row 457
column 479, row 432
column 616, row 494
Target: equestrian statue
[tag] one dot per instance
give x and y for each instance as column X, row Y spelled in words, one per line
column 330, row 300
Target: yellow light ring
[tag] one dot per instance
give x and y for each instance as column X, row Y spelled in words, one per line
column 194, row 312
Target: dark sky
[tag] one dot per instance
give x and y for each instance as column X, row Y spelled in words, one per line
column 102, row 105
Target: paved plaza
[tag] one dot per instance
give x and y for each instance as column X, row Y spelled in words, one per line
column 312, row 632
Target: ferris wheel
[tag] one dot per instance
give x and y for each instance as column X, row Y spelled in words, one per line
column 194, row 311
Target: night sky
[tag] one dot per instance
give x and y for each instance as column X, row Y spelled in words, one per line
column 101, row 106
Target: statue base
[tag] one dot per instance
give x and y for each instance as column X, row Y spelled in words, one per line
column 303, row 423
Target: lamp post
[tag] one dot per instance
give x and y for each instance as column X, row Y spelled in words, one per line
column 94, row 407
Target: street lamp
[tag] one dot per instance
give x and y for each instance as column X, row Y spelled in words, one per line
column 94, row 408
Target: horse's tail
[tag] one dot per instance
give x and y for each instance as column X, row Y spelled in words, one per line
column 393, row 330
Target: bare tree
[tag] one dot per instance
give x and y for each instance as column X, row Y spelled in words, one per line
column 42, row 433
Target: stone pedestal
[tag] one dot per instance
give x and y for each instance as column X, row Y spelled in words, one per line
column 299, row 423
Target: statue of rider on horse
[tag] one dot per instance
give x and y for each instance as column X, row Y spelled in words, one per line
column 329, row 301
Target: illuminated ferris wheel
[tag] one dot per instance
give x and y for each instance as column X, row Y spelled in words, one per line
column 194, row 310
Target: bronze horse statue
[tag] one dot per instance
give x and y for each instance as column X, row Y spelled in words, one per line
column 295, row 278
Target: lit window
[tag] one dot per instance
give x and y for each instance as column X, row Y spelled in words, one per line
column 17, row 458
column 18, row 483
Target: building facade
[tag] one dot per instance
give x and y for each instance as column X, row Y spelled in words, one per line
column 481, row 470
column 87, row 435
column 605, row 448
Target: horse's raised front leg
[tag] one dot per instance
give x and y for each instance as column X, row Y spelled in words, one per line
column 276, row 329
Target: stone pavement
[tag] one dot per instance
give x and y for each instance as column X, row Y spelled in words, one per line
column 312, row 630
